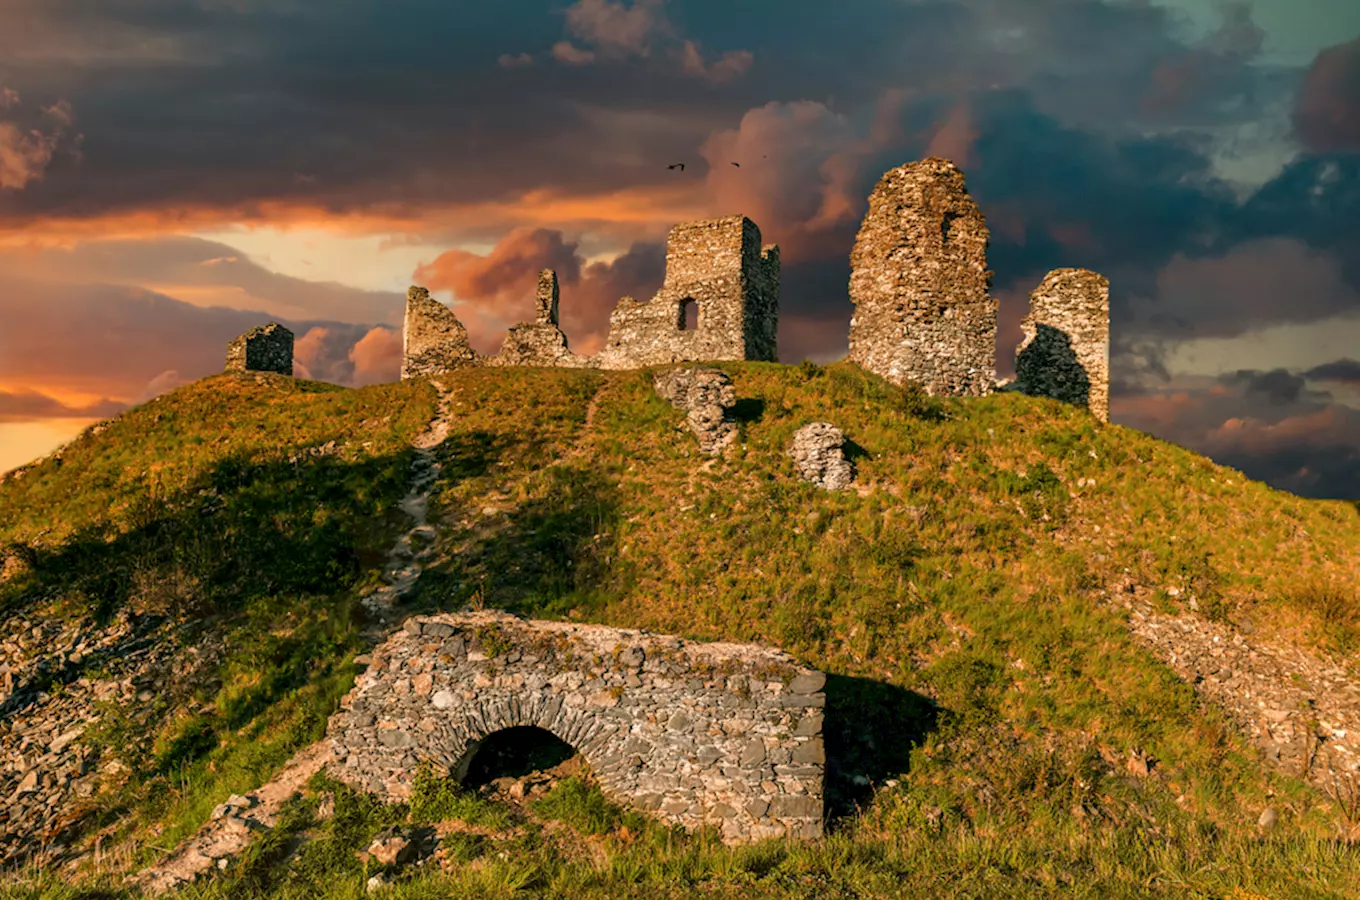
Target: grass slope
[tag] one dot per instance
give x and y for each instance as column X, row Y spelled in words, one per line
column 982, row 700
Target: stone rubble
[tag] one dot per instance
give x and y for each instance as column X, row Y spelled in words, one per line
column 1303, row 712
column 707, row 396
column 48, row 706
column 692, row 733
column 818, row 457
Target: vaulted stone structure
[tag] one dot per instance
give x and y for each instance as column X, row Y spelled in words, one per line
column 728, row 735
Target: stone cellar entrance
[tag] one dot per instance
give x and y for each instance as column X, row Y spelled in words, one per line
column 514, row 753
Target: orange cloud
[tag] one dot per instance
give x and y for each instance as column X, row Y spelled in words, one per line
column 25, row 153
column 1327, row 108
column 377, row 357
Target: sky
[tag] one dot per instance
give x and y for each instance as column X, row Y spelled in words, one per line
column 173, row 172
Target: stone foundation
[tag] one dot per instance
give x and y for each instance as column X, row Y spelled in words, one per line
column 264, row 348
column 728, row 735
column 919, row 283
column 1065, row 352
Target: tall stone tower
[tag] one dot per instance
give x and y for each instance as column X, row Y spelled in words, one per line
column 1065, row 352
column 919, row 283
column 719, row 301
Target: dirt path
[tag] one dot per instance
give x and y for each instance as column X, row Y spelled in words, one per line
column 226, row 835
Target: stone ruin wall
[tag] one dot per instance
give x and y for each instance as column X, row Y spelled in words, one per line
column 697, row 734
column 541, row 342
column 264, row 348
column 720, row 265
column 920, row 285
column 433, row 340
column 1065, row 351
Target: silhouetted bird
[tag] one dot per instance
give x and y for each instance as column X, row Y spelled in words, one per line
column 680, row 166
column 738, row 165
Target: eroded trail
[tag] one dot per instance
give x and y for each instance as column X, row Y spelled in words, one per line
column 234, row 823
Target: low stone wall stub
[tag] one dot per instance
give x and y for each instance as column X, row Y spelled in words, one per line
column 1064, row 351
column 264, row 348
column 728, row 735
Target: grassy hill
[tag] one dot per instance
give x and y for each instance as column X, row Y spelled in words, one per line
column 985, row 693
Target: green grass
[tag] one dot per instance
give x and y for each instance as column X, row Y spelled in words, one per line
column 954, row 598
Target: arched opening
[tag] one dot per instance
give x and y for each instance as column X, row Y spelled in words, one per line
column 688, row 319
column 515, row 753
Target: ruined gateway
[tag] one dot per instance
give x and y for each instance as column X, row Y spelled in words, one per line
column 728, row 735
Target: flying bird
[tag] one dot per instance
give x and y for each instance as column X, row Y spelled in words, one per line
column 680, row 166
column 738, row 165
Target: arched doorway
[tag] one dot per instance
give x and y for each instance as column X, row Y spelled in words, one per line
column 526, row 753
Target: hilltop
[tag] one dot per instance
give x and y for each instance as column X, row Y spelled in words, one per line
column 1020, row 609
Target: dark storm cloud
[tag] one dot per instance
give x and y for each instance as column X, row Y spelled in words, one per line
column 1343, row 371
column 1278, row 386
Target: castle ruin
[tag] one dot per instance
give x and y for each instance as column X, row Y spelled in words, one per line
column 919, row 283
column 433, row 340
column 719, row 301
column 1065, row 352
column 264, row 348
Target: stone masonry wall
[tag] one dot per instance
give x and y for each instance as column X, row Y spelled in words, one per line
column 919, row 283
column 264, row 348
column 719, row 265
column 1065, row 351
column 433, row 340
column 541, row 342
column 694, row 733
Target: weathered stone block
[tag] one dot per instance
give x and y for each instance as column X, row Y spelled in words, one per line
column 707, row 396
column 1065, row 351
column 919, row 283
column 264, row 348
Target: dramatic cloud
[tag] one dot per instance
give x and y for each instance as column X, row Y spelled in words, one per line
column 1327, row 111
column 376, row 357
column 26, row 150
column 1345, row 371
column 24, row 406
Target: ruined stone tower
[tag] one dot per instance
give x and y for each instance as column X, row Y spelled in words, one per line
column 1065, row 352
column 264, row 348
column 433, row 340
column 720, row 301
column 541, row 342
column 919, row 282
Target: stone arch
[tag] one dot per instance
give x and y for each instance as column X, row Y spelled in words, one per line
column 515, row 751
column 696, row 734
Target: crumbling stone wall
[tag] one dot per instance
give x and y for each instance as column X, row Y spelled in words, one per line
column 819, row 457
column 720, row 266
column 919, row 283
column 1065, row 351
column 541, row 342
column 433, row 340
column 264, row 348
column 707, row 397
column 721, row 734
